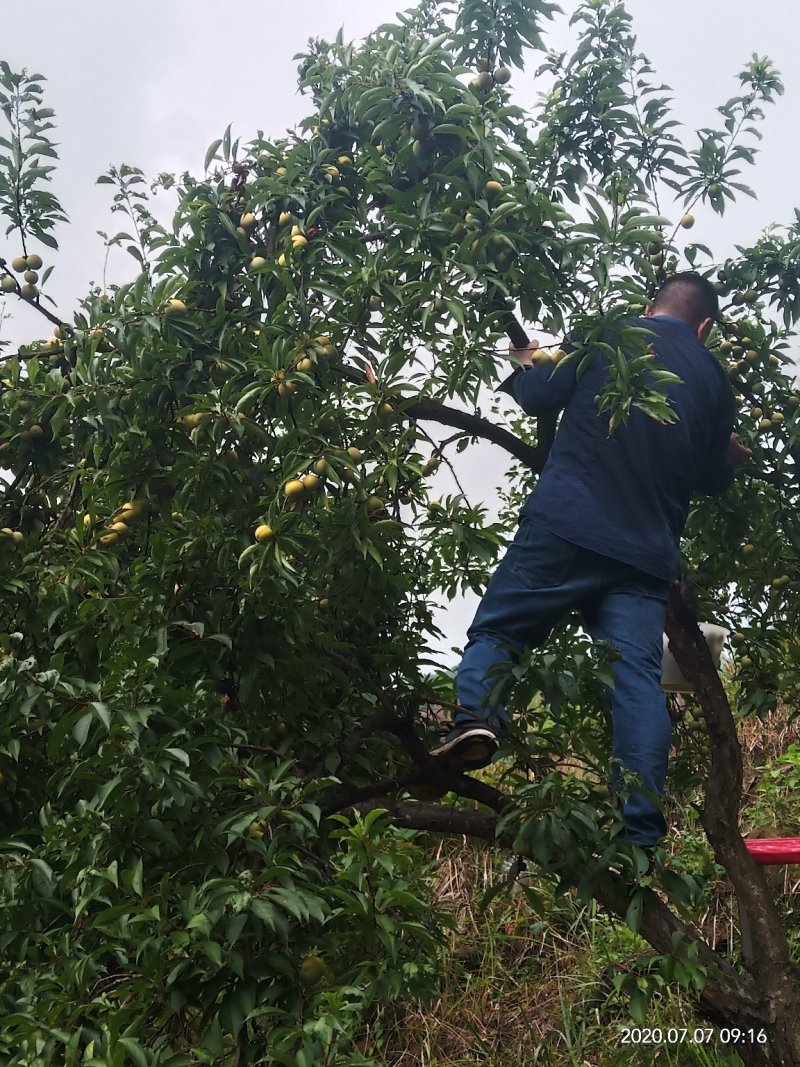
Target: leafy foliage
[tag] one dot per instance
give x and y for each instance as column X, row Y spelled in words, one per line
column 220, row 557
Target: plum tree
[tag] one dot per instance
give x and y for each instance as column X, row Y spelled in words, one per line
column 215, row 718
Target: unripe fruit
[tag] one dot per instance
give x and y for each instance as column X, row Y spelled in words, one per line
column 19, row 263
column 257, row 262
column 355, row 454
column 481, row 82
column 305, row 365
column 320, row 467
column 687, row 221
column 294, row 489
column 344, row 161
column 765, row 424
column 375, row 504
column 311, row 970
column 502, row 76
column 263, row 533
column 193, row 420
column 31, row 277
column 247, row 221
column 492, row 188
column 386, row 414
column 8, row 283
column 748, row 550
column 28, row 292
column 287, row 389
column 34, row 261
column 310, row 482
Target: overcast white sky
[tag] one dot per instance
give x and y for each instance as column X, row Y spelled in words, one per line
column 153, row 84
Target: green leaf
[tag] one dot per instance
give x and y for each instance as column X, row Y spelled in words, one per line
column 212, row 151
column 135, row 1051
column 42, row 877
column 633, row 915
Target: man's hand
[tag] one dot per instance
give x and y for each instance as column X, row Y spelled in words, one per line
column 523, row 356
column 737, row 452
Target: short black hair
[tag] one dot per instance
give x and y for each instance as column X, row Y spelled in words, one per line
column 689, row 296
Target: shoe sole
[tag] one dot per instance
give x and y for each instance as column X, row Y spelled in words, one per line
column 472, row 750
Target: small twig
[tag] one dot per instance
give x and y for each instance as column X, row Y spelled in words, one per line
column 62, row 518
column 259, row 748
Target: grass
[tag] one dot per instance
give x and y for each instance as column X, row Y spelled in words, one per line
column 519, row 988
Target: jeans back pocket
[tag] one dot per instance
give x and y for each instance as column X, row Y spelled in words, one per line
column 538, row 558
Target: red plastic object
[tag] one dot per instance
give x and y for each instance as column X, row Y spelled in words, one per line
column 769, row 850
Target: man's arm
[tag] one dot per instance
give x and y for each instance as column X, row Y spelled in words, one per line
column 726, row 453
column 536, row 386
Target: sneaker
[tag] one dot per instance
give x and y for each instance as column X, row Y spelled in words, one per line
column 469, row 746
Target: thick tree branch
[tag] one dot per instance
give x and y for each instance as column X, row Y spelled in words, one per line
column 427, row 410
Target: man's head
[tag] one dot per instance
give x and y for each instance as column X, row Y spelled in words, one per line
column 690, row 297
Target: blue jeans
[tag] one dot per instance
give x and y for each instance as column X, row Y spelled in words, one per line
column 539, row 581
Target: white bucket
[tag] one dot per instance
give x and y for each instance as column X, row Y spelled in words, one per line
column 671, row 678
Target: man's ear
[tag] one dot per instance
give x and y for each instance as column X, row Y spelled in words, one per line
column 648, row 314
column 704, row 329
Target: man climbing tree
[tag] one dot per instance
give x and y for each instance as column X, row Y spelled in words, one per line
column 601, row 534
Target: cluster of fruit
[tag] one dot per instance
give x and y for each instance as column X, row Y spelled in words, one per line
column 301, row 490
column 119, row 527
column 484, row 80
column 28, row 266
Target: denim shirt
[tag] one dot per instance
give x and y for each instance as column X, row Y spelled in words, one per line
column 626, row 495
